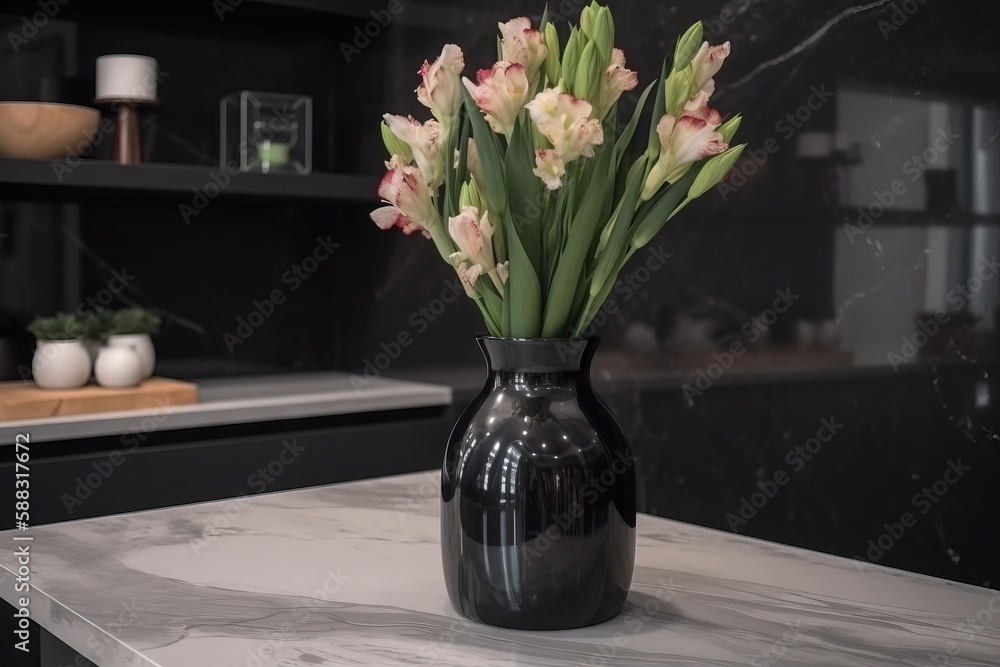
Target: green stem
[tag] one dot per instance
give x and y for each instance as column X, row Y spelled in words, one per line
column 488, row 318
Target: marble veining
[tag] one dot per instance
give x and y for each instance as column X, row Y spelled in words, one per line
column 350, row 574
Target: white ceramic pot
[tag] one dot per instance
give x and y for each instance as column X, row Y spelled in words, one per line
column 119, row 366
column 142, row 344
column 60, row 364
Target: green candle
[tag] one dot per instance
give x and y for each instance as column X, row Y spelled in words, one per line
column 272, row 154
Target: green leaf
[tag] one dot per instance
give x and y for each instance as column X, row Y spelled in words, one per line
column 492, row 303
column 462, row 172
column 526, row 198
column 552, row 221
column 625, row 138
column 490, row 156
column 662, row 208
column 454, row 178
column 579, row 240
column 659, row 109
column 523, row 298
column 617, row 231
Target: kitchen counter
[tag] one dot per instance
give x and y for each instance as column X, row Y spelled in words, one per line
column 243, row 400
column 350, row 574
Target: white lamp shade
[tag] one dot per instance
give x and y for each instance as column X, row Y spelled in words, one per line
column 126, row 77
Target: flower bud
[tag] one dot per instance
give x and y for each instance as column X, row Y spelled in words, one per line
column 475, row 200
column 729, row 128
column 553, row 66
column 687, row 46
column 463, row 197
column 714, row 171
column 678, row 90
column 588, row 73
column 604, row 36
column 587, row 17
column 571, row 58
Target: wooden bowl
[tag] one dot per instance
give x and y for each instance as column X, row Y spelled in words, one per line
column 46, row 130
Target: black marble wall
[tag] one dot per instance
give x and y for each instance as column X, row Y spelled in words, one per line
column 890, row 106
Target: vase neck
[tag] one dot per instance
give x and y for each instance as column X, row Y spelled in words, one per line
column 507, row 355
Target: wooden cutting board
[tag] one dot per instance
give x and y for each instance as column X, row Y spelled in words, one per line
column 21, row 400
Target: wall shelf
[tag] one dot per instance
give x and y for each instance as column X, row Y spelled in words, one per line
column 48, row 179
column 424, row 14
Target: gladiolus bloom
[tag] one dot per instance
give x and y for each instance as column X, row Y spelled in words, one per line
column 617, row 80
column 682, row 143
column 565, row 121
column 425, row 141
column 440, row 89
column 523, row 45
column 473, row 236
column 707, row 63
column 550, row 168
column 697, row 106
column 501, row 93
column 410, row 206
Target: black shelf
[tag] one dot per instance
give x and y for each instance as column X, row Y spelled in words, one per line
column 59, row 179
column 422, row 13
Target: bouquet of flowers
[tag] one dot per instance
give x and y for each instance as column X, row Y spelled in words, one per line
column 527, row 184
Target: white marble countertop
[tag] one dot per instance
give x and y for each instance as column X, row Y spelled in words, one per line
column 242, row 400
column 350, row 574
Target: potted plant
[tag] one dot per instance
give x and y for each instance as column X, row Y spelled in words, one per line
column 532, row 190
column 134, row 327
column 114, row 366
column 96, row 324
column 60, row 361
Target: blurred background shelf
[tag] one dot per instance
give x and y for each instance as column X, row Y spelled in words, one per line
column 46, row 179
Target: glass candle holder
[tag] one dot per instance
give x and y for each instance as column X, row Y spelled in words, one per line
column 266, row 133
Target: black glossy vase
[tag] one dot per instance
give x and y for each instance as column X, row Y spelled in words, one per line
column 538, row 494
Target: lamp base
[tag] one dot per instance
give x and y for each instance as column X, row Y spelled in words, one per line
column 127, row 146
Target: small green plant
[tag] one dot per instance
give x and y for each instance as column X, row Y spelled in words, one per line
column 97, row 324
column 62, row 326
column 134, row 321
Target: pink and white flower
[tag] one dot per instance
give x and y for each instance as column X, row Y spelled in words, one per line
column 617, row 80
column 550, row 168
column 697, row 106
column 707, row 63
column 565, row 121
column 425, row 141
column 501, row 94
column 468, row 273
column 523, row 45
column 473, row 235
column 440, row 88
column 410, row 206
column 683, row 142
